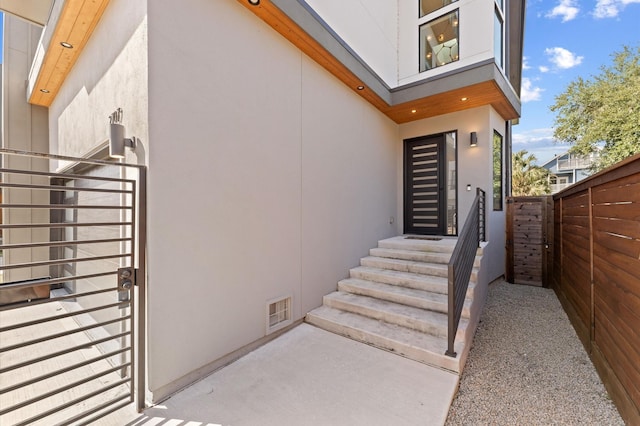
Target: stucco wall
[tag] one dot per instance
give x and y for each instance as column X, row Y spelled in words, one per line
column 110, row 73
column 369, row 27
column 475, row 37
column 386, row 34
column 267, row 176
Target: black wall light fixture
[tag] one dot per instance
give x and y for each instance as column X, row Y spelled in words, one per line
column 474, row 139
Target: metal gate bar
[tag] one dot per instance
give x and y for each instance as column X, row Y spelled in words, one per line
column 81, row 346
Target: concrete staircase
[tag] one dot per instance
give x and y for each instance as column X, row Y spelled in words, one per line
column 396, row 300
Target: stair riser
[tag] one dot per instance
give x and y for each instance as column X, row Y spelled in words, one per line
column 416, row 268
column 417, row 256
column 424, row 246
column 438, row 330
column 415, row 301
column 417, row 354
column 399, row 281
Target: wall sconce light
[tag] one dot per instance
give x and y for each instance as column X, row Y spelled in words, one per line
column 117, row 141
column 468, row 187
column 474, row 139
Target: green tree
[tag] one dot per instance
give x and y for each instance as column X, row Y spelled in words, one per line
column 604, row 110
column 527, row 178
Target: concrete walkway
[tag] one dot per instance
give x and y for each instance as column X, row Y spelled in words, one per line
column 309, row 376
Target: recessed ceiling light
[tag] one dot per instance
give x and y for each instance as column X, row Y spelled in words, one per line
column 254, row 2
column 66, row 45
column 464, row 99
column 44, row 90
column 413, row 111
column 361, row 87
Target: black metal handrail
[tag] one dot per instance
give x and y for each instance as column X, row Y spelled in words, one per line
column 461, row 264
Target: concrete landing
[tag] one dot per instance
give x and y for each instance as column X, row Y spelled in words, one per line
column 309, row 376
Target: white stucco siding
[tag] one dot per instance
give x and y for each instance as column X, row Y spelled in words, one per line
column 475, row 37
column 369, row 27
column 110, row 73
column 267, row 178
column 348, row 181
column 385, row 34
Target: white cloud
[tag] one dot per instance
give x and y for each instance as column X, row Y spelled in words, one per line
column 566, row 9
column 542, row 68
column 611, row 8
column 562, row 58
column 534, row 137
column 525, row 63
column 528, row 92
column 539, row 142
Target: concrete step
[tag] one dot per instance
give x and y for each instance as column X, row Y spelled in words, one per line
column 407, row 296
column 409, row 343
column 425, row 321
column 424, row 268
column 420, row 243
column 416, row 256
column 405, row 279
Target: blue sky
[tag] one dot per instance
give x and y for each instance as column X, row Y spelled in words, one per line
column 564, row 40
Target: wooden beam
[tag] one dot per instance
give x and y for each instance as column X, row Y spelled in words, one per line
column 77, row 21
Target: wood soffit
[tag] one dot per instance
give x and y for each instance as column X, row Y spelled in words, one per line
column 79, row 18
column 77, row 21
column 475, row 95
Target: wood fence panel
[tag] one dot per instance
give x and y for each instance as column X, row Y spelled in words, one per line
column 576, row 268
column 596, row 274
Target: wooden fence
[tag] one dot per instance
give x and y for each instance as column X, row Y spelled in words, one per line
column 596, row 273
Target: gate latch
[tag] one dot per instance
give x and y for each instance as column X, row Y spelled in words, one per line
column 126, row 281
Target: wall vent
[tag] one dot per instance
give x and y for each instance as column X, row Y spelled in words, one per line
column 278, row 314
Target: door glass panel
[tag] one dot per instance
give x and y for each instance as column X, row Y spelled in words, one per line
column 452, row 184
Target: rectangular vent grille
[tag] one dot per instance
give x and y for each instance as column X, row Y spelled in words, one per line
column 278, row 314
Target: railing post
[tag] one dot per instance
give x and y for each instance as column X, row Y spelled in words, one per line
column 460, row 266
column 451, row 332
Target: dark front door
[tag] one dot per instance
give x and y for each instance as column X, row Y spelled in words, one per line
column 424, row 185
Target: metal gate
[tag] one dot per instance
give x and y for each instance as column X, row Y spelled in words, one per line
column 72, row 288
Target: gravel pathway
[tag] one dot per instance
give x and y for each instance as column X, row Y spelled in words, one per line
column 528, row 367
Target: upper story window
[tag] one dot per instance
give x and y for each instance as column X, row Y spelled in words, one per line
column 428, row 6
column 439, row 41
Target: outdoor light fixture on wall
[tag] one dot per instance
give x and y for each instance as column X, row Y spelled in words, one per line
column 117, row 141
column 474, row 139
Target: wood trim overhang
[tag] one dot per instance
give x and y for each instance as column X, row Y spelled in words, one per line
column 481, row 85
column 75, row 24
column 488, row 86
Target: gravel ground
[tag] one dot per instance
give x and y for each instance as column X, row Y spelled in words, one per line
column 528, row 367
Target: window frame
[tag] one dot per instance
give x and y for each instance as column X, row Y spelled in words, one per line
column 497, row 178
column 427, row 19
column 421, row 15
